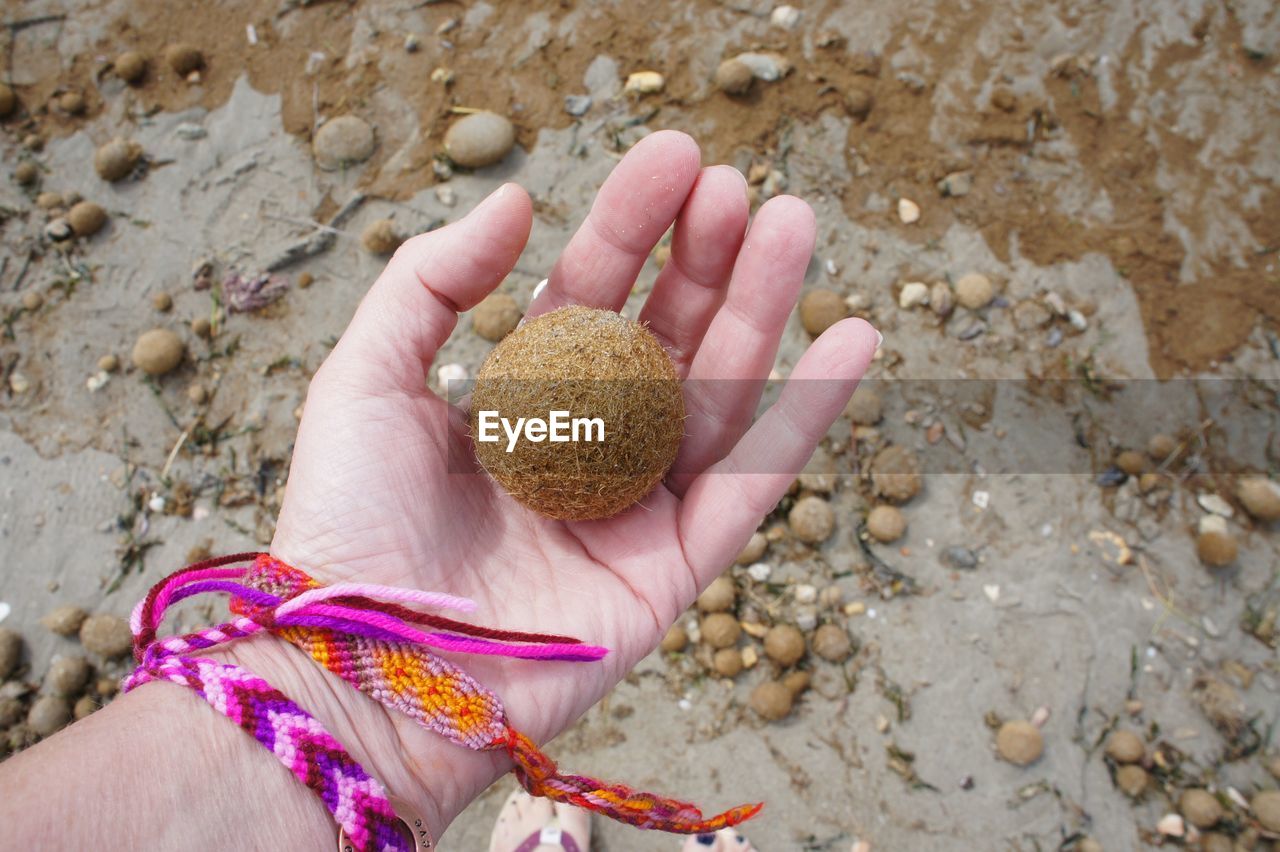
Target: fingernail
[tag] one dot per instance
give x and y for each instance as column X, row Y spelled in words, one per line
column 879, row 339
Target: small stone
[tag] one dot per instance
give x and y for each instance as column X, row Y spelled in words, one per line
column 1217, row 549
column 412, row 43
column 858, row 102
column 832, row 643
column 756, row 546
column 956, row 185
column 1077, row 319
column 771, row 701
column 645, row 83
column 908, row 211
column 202, row 327
column 8, row 101
column 11, row 713
column 760, row 571
column 720, row 596
column 865, row 407
column 197, row 394
column 1124, row 746
column 734, row 77
column 162, row 302
column 59, row 230
column 796, row 682
column 1019, row 742
column 19, row 383
column 750, row 657
column 1260, row 497
column 821, row 309
column 87, row 218
column 1171, row 825
column 786, row 17
column 895, row 474
column 130, row 66
column 442, row 75
column 1003, row 99
column 805, row 593
column 1132, row 780
column 831, row 597
column 480, row 139
column 766, row 66
column 72, row 103
column 1030, row 315
column 49, row 200
column 32, row 300
column 812, row 520
column 960, row 558
column 116, row 159
column 941, row 299
column 26, row 173
column 305, row 280
column 1088, row 844
column 106, row 635
column 379, row 237
column 577, row 105
column 1266, row 808
column 84, row 706
column 1160, row 447
column 913, row 294
column 10, row 651
column 886, row 524
column 720, row 630
column 66, row 620
column 974, row 291
column 727, row 662
column 1132, row 462
column 183, row 58
column 48, row 714
column 33, row 142
column 1200, row 807
column 67, row 676
column 675, row 639
column 342, row 142
column 106, row 687
column 784, row 644
column 496, row 316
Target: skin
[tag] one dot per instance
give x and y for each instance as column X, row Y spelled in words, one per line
column 372, row 496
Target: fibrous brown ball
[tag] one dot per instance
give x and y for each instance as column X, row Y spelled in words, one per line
column 720, row 630
column 183, row 58
column 1132, row 780
column 865, row 407
column 380, row 237
column 66, row 620
column 719, row 596
column 87, row 218
column 130, row 66
column 67, row 675
column 106, row 635
column 1260, row 497
column 727, row 662
column 592, row 369
column 84, row 707
column 733, row 77
column 895, row 474
column 1161, row 446
column 1019, row 742
column 821, row 309
column 1266, row 807
column 812, row 520
column 886, row 524
column 116, row 159
column 1124, row 746
column 1217, row 549
column 832, row 644
column 157, row 352
column 974, row 291
column 796, row 682
column 784, row 644
column 72, row 103
column 675, row 639
column 771, row 700
column 26, row 173
column 1200, row 807
column 48, row 714
column 10, row 651
column 496, row 316
column 1131, row 462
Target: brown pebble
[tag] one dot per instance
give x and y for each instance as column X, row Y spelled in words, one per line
column 796, row 682
column 84, row 706
column 10, row 651
column 1214, row 841
column 733, row 77
column 1132, row 462
column 26, row 173
column 21, row 736
column 183, row 58
column 106, row 635
column 201, row 327
column 162, row 302
column 1088, row 844
column 1260, row 497
column 675, row 639
column 812, row 520
column 67, row 676
column 1217, row 549
column 1160, row 447
column 719, row 596
column 49, row 200
column 1200, row 807
column 720, row 630
column 727, row 662
column 832, row 644
column 756, row 546
column 1019, row 742
column 1004, row 100
column 33, row 142
column 496, row 316
column 1132, row 780
column 821, row 309
column 106, row 687
column 72, row 103
column 48, row 714
column 784, row 644
column 865, row 407
column 886, row 524
column 130, row 66
column 858, row 102
column 11, row 712
column 1124, row 746
column 305, row 280
column 895, row 474
column 771, row 701
column 87, row 218
column 66, row 620
column 32, row 300
column 1266, row 808
column 158, row 352
column 116, row 159
column 380, row 237
column 8, row 101
column 196, row 393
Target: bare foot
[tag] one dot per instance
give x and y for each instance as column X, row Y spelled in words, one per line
column 526, row 824
column 724, row 840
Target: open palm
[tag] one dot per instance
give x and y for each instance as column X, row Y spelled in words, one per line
column 372, row 494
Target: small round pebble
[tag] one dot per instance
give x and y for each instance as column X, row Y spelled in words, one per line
column 756, row 546
column 48, row 714
column 1217, row 549
column 380, row 237
column 1132, row 462
column 87, row 218
column 201, row 327
column 10, row 651
column 1132, row 780
column 720, row 630
column 305, row 280
column 496, row 316
column 32, row 300
column 812, row 520
column 183, row 58
column 1088, row 844
column 1161, row 446
column 84, row 706
column 107, row 364
column 341, row 142
column 771, row 700
column 784, row 644
column 895, row 474
column 821, row 309
column 727, row 662
column 66, row 620
column 1019, row 742
column 116, row 159
column 162, row 302
column 11, row 712
column 106, row 635
column 1266, row 808
column 832, row 644
column 733, row 77
column 49, row 200
column 72, row 103
column 865, row 407
column 1200, row 807
column 196, row 393
column 886, row 524
column 26, row 173
column 675, row 639
column 67, row 676
column 130, row 66
column 974, row 291
column 1260, row 497
column 796, row 682
column 158, row 351
column 719, row 596
column 1124, row 746
column 480, row 139
column 8, row 101
column 1004, row 100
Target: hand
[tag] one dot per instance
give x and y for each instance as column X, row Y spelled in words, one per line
column 371, row 495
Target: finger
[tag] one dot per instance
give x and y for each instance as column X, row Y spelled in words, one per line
column 737, row 354
column 726, row 503
column 632, row 211
column 412, row 308
column 691, row 285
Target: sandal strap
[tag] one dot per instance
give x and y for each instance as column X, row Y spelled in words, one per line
column 565, row 841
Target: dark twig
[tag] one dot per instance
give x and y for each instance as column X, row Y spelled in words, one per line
column 319, row 241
